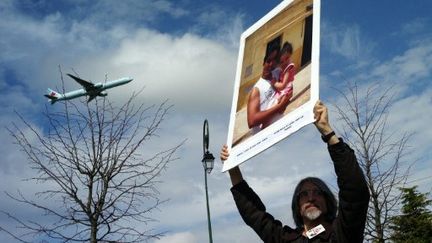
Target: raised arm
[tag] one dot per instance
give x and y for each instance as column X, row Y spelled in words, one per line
column 353, row 190
column 252, row 209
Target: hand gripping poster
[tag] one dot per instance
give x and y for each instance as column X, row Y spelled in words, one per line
column 276, row 84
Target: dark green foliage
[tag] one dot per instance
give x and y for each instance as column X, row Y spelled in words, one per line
column 414, row 224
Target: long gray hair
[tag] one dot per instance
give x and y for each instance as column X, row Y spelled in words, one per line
column 328, row 195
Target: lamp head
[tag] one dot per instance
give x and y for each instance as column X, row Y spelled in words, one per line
column 208, row 161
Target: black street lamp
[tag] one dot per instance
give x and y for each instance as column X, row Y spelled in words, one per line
column 208, row 162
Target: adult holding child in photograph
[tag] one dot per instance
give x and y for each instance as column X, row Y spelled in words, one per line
column 283, row 79
column 265, row 102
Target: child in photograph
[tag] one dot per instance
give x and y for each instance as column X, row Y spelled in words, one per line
column 282, row 80
column 283, row 76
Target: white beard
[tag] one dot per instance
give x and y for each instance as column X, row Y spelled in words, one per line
column 312, row 214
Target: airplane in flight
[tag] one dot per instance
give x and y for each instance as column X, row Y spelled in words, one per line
column 90, row 89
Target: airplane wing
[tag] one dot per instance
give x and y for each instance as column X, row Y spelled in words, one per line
column 86, row 84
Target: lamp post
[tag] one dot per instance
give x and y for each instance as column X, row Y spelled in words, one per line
column 208, row 161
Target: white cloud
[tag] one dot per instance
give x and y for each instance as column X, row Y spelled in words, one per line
column 412, row 113
column 195, row 73
column 181, row 237
column 405, row 69
column 413, row 29
column 346, row 41
column 233, row 231
column 113, row 11
column 226, row 26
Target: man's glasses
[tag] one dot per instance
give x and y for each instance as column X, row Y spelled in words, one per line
column 310, row 192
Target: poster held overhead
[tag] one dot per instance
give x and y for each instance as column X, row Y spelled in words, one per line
column 277, row 79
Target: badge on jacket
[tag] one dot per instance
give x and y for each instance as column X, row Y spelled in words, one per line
column 315, row 231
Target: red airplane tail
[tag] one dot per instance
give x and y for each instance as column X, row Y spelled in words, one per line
column 52, row 95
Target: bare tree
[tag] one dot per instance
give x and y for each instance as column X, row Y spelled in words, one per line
column 91, row 157
column 381, row 152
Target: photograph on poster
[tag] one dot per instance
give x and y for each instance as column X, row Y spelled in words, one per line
column 277, row 79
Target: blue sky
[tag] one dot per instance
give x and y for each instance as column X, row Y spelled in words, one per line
column 186, row 50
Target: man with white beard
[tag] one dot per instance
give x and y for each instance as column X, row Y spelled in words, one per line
column 316, row 213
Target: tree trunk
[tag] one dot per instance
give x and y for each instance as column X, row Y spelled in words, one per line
column 93, row 232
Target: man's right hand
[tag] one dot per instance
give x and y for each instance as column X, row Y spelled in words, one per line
column 235, row 173
column 224, row 154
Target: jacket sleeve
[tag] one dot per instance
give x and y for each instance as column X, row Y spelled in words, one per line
column 253, row 212
column 353, row 194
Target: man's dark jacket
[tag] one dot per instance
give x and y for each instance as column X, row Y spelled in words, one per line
column 353, row 204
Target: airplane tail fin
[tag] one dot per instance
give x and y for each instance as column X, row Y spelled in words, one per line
column 52, row 95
